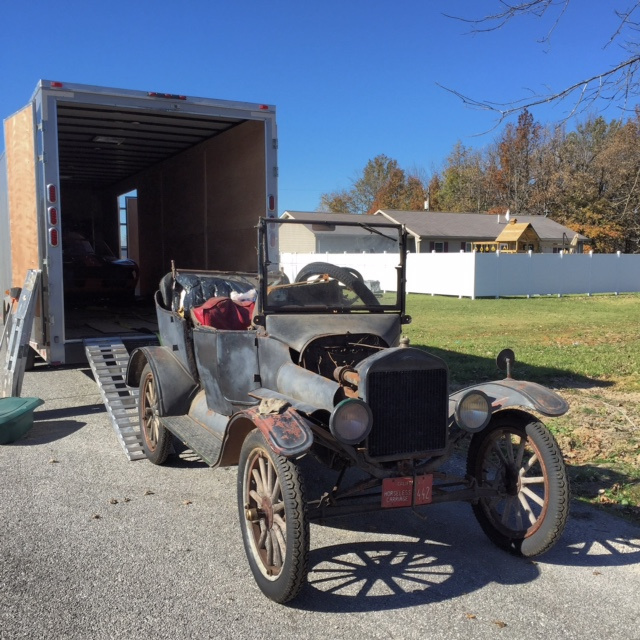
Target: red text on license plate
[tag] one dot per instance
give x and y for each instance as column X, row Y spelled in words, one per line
column 398, row 492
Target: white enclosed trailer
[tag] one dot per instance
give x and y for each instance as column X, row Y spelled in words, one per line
column 199, row 173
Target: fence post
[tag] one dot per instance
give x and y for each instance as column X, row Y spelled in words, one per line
column 561, row 253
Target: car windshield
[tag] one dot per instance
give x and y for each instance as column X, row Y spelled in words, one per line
column 317, row 264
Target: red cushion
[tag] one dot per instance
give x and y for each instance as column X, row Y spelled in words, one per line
column 224, row 313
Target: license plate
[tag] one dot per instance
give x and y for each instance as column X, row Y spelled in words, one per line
column 398, row 492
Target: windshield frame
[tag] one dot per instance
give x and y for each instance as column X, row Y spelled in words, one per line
column 268, row 271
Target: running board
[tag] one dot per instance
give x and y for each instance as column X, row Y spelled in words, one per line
column 108, row 359
column 200, row 440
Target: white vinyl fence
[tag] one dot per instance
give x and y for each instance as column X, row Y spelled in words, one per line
column 474, row 275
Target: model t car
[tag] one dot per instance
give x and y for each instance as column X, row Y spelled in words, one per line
column 303, row 359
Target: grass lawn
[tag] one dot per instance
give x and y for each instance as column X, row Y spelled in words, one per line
column 586, row 348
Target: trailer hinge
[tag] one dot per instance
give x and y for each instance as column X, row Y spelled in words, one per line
column 275, row 143
column 275, row 172
column 42, row 158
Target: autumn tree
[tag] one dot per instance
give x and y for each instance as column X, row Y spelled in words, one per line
column 517, row 151
column 382, row 185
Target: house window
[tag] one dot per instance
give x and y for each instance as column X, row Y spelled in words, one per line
column 438, row 247
column 468, row 247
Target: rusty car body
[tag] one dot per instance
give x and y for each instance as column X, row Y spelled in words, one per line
column 312, row 362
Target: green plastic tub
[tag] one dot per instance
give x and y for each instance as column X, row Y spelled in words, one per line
column 16, row 417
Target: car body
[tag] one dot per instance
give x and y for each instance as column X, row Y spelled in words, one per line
column 89, row 274
column 260, row 370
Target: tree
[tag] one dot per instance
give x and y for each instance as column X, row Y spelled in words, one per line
column 382, row 185
column 463, row 184
column 517, row 151
column 619, row 84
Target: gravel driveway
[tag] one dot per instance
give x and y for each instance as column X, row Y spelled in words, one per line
column 95, row 546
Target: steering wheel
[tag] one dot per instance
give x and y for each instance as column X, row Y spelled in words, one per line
column 350, row 278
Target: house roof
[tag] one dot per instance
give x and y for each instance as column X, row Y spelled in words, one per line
column 514, row 231
column 315, row 217
column 482, row 226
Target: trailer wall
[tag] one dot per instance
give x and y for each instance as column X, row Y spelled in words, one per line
column 5, row 237
column 200, row 207
column 21, row 193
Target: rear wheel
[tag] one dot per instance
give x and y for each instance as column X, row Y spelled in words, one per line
column 275, row 529
column 156, row 440
column 518, row 457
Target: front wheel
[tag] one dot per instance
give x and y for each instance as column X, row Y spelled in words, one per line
column 275, row 530
column 518, row 457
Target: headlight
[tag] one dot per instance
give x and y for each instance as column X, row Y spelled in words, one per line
column 473, row 411
column 351, row 421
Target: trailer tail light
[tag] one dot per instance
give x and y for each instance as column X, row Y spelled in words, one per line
column 272, row 202
column 53, row 216
column 53, row 237
column 52, row 193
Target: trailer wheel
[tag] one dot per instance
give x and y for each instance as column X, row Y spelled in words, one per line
column 518, row 457
column 349, row 277
column 275, row 530
column 156, row 440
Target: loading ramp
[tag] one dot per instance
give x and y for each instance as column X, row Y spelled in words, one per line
column 108, row 358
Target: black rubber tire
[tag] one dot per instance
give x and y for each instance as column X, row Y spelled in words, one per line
column 518, row 456
column 275, row 532
column 156, row 439
column 349, row 277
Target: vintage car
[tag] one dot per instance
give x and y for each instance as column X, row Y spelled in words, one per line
column 302, row 358
column 92, row 273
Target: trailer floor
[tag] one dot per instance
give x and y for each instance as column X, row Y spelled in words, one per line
column 100, row 320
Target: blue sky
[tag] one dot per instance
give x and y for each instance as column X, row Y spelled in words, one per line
column 350, row 79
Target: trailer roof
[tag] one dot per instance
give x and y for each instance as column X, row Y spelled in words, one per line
column 102, row 145
column 106, row 134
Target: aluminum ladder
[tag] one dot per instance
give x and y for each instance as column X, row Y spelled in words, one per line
column 108, row 358
column 16, row 333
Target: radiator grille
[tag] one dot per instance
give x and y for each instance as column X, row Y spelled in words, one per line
column 409, row 412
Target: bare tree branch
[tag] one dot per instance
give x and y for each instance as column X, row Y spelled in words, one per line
column 617, row 85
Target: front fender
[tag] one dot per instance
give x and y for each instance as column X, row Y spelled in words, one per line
column 175, row 385
column 286, row 432
column 516, row 393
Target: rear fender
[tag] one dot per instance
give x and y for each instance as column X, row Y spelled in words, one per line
column 175, row 385
column 507, row 393
column 287, row 433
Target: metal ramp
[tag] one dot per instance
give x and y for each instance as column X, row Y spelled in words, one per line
column 108, row 358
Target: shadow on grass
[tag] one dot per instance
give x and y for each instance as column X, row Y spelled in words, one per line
column 609, row 489
column 465, row 370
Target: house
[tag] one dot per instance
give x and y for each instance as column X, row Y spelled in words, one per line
column 320, row 236
column 429, row 231
column 453, row 232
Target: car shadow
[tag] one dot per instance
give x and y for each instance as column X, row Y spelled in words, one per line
column 443, row 555
column 465, row 369
column 400, row 558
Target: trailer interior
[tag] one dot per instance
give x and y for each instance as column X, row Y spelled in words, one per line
column 157, row 186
